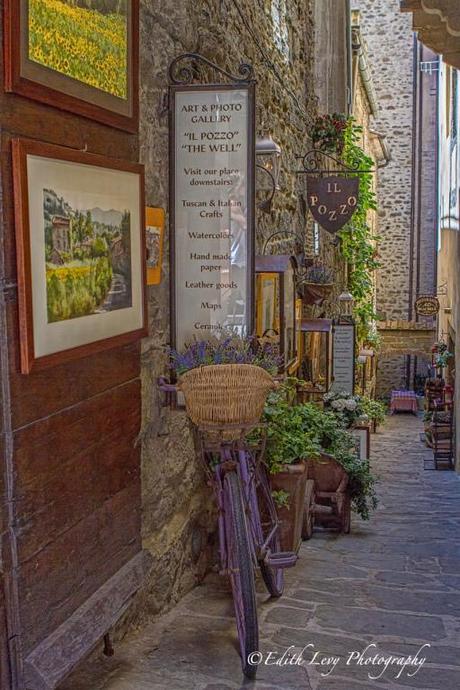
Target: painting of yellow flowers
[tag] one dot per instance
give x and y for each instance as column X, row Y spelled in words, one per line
column 83, row 39
column 76, row 55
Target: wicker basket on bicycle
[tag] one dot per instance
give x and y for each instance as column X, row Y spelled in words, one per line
column 222, row 395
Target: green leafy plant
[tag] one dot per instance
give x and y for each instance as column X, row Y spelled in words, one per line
column 288, row 439
column 374, row 409
column 281, row 498
column 296, row 432
column 337, row 442
column 357, row 243
column 442, row 358
column 328, row 132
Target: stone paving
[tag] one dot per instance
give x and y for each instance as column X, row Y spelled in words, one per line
column 394, row 582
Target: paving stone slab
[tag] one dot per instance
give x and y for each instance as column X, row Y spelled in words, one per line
column 376, row 622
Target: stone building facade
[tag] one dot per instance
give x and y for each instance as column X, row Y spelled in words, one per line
column 177, row 526
column 407, row 188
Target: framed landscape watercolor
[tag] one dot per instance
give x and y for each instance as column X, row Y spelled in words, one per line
column 77, row 55
column 80, row 238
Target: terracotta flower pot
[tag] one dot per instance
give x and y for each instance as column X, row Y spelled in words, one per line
column 293, row 481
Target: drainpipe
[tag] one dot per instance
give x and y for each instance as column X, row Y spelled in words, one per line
column 415, row 67
column 349, row 57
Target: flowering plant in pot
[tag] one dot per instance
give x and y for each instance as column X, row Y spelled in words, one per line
column 231, row 349
column 318, row 274
column 316, row 283
column 225, row 381
column 298, row 435
column 335, row 441
column 328, row 132
column 352, row 409
column 346, row 407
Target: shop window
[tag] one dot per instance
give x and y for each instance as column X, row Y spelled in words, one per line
column 280, row 28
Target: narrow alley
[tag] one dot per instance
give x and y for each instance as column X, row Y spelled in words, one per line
column 393, row 582
column 230, row 230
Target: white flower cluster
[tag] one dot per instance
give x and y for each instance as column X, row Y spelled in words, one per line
column 341, row 404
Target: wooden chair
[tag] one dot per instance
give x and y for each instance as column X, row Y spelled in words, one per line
column 442, row 433
column 434, row 393
column 327, row 500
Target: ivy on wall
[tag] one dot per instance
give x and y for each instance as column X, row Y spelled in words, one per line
column 357, row 244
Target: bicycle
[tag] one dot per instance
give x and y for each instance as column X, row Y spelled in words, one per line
column 248, row 525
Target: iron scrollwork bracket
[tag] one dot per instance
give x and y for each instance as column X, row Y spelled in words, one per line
column 184, row 70
column 316, row 162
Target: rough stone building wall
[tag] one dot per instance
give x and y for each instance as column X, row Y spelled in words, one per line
column 177, row 525
column 426, row 163
column 389, row 35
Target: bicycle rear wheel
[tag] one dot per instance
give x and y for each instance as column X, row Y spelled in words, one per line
column 241, row 571
column 272, row 577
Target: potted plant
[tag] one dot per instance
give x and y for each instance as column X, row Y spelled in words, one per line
column 335, row 442
column 317, row 283
column 328, row 133
column 345, row 407
column 288, row 446
column 354, row 409
column 375, row 410
column 298, row 437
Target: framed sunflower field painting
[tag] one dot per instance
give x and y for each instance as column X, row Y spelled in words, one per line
column 77, row 55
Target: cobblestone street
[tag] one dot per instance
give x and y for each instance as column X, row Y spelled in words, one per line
column 394, row 582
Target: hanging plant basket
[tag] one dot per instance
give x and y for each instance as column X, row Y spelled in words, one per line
column 316, row 293
column 225, row 394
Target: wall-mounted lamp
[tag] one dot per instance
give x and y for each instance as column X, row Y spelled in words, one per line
column 268, row 154
column 346, row 302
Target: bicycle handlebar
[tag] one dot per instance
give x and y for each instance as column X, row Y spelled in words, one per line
column 166, row 387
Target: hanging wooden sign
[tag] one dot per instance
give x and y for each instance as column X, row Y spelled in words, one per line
column 426, row 305
column 333, row 200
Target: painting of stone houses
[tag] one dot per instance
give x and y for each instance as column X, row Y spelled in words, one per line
column 88, row 258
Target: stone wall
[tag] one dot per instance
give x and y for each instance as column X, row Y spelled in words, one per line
column 400, row 339
column 177, row 525
column 389, row 35
column 406, row 191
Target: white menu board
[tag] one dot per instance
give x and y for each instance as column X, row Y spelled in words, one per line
column 343, row 369
column 212, row 213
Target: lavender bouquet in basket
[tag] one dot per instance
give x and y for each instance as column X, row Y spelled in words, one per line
column 231, row 349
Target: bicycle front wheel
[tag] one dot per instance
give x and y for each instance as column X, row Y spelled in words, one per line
column 241, row 571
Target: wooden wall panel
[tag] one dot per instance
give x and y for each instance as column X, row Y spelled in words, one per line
column 74, row 481
column 49, row 463
column 60, row 578
column 4, row 656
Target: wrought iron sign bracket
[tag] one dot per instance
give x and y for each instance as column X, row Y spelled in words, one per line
column 185, row 69
column 314, row 162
